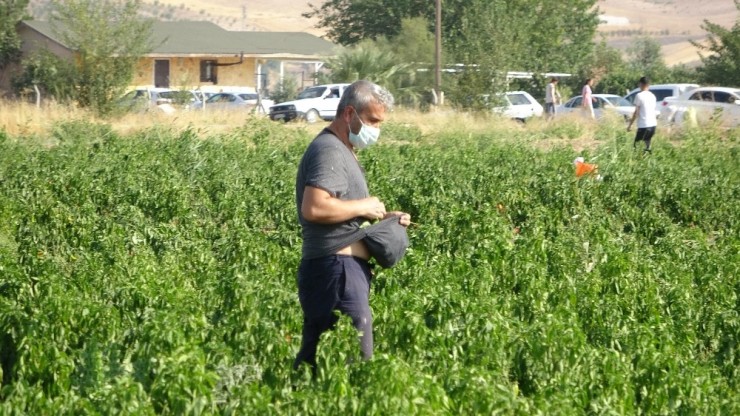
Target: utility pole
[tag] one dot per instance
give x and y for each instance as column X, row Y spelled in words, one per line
column 438, row 54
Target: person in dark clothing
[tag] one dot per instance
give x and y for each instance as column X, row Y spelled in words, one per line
column 332, row 200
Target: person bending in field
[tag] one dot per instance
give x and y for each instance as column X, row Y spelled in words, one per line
column 645, row 113
column 332, row 198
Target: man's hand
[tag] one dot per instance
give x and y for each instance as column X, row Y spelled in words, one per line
column 405, row 219
column 634, row 117
column 374, row 209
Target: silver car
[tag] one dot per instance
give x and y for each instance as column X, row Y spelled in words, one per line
column 604, row 102
column 245, row 101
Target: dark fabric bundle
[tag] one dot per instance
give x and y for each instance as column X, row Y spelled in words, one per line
column 387, row 241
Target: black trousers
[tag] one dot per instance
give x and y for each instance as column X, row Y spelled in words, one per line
column 644, row 134
column 328, row 284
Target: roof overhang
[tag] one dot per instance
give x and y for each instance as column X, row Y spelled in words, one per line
column 207, row 40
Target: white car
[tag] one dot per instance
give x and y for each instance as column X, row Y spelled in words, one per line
column 518, row 105
column 604, row 102
column 143, row 97
column 662, row 92
column 166, row 99
column 312, row 104
column 236, row 101
column 185, row 98
column 704, row 104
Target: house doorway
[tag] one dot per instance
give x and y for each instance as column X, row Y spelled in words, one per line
column 161, row 73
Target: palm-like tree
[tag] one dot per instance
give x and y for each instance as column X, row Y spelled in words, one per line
column 369, row 62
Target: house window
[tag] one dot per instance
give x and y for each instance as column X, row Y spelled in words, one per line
column 208, row 71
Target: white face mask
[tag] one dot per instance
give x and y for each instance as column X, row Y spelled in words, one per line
column 367, row 136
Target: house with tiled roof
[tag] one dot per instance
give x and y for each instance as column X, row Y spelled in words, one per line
column 198, row 54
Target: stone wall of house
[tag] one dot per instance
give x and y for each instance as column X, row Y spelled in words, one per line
column 185, row 73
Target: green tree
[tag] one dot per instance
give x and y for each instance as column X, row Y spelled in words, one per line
column 485, row 49
column 414, row 43
column 490, row 37
column 348, row 22
column 722, row 64
column 413, row 47
column 609, row 68
column 367, row 60
column 401, row 63
column 493, row 37
column 646, row 59
column 286, row 90
column 53, row 76
column 108, row 38
column 682, row 73
column 11, row 12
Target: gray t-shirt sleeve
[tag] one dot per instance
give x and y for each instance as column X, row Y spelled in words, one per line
column 329, row 165
column 325, row 170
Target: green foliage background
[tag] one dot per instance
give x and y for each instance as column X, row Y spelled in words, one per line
column 155, row 274
column 722, row 54
column 107, row 36
column 11, row 12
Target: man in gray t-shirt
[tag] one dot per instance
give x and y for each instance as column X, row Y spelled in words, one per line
column 332, row 200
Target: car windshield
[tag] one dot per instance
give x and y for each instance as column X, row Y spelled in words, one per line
column 220, row 98
column 247, row 97
column 518, row 99
column 661, row 94
column 313, row 92
column 619, row 102
column 132, row 95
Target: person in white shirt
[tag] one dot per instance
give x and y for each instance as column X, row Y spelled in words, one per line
column 587, row 98
column 647, row 119
column 552, row 97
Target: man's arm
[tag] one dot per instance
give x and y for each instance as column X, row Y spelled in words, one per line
column 634, row 116
column 320, row 207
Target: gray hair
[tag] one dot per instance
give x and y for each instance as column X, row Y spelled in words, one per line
column 361, row 93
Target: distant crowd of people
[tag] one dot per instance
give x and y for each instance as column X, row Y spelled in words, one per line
column 645, row 108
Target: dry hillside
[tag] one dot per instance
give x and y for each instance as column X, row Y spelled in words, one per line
column 672, row 22
column 263, row 15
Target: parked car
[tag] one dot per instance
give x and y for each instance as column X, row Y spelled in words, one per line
column 704, row 104
column 662, row 92
column 604, row 102
column 312, row 104
column 168, row 100
column 517, row 105
column 141, row 99
column 182, row 98
column 236, row 101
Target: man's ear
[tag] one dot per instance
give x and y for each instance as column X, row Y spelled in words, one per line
column 348, row 113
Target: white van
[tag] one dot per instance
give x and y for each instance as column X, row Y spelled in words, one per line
column 661, row 92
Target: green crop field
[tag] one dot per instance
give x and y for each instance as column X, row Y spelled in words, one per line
column 154, row 273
